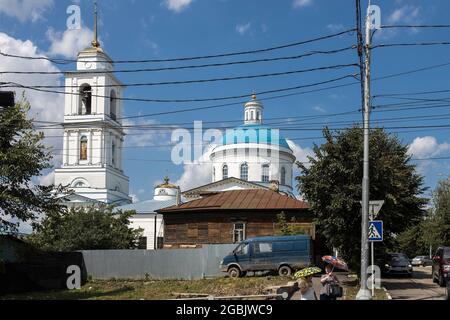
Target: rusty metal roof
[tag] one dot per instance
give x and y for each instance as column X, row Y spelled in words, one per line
column 241, row 200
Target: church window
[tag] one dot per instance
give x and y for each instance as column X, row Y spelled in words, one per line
column 113, row 104
column 246, row 116
column 225, row 172
column 265, row 173
column 283, row 176
column 85, row 100
column 258, row 115
column 83, row 148
column 113, row 153
column 79, row 185
column 214, row 173
column 252, row 115
column 244, row 172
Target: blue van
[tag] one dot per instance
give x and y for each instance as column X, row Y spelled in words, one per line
column 283, row 254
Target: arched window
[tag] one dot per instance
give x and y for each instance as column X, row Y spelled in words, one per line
column 246, row 115
column 214, row 174
column 258, row 115
column 113, row 104
column 85, row 100
column 83, row 148
column 283, row 176
column 265, row 173
column 225, row 172
column 252, row 115
column 244, row 172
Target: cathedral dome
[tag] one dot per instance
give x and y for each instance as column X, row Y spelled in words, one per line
column 166, row 191
column 254, row 133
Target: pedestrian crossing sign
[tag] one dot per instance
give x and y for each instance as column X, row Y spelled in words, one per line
column 376, row 231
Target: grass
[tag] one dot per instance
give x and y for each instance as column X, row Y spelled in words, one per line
column 156, row 289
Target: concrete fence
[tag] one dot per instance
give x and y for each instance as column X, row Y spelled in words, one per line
column 186, row 264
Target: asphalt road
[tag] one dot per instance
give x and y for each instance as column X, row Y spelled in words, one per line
column 419, row 287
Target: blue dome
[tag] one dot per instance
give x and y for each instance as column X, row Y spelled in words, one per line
column 253, row 133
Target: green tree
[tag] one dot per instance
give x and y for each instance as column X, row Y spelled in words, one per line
column 91, row 228
column 332, row 186
column 22, row 157
column 289, row 228
column 436, row 228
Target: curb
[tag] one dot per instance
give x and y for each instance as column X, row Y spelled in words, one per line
column 387, row 294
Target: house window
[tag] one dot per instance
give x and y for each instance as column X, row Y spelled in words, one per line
column 113, row 105
column 86, row 100
column 238, row 232
column 225, row 172
column 283, row 176
column 265, row 173
column 244, row 172
column 83, row 148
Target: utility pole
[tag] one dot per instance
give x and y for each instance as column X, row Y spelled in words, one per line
column 364, row 293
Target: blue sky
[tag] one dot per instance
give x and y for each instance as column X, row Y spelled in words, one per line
column 158, row 29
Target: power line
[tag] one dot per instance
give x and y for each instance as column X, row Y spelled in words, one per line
column 312, row 53
column 221, row 55
column 17, row 85
column 150, row 84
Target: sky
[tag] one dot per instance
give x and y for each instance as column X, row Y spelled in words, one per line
column 162, row 29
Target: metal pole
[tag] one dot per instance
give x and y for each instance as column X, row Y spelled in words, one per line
column 373, row 270
column 155, row 244
column 364, row 293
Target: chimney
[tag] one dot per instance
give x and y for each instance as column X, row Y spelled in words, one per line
column 178, row 196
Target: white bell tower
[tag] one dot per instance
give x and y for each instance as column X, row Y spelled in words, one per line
column 93, row 133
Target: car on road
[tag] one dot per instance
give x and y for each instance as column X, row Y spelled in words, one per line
column 421, row 261
column 441, row 266
column 395, row 263
column 283, row 254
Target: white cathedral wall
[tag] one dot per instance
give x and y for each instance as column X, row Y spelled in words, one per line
column 255, row 162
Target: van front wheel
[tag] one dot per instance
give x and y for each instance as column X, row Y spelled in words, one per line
column 285, row 271
column 234, row 272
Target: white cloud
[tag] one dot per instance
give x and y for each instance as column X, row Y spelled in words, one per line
column 44, row 106
column 25, row 10
column 301, row 3
column 135, row 138
column 70, row 42
column 301, row 154
column 405, row 14
column 243, row 28
column 177, row 5
column 196, row 174
column 335, row 27
column 319, row 109
column 426, row 147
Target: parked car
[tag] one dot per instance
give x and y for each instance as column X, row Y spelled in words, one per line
column 283, row 254
column 395, row 263
column 422, row 261
column 441, row 266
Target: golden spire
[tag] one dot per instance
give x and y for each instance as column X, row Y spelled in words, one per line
column 95, row 42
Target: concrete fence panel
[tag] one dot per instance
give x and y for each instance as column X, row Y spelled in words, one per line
column 186, row 264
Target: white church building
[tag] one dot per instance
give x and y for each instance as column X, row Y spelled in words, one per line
column 251, row 156
column 93, row 133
